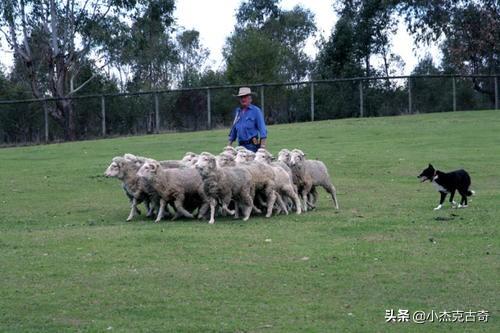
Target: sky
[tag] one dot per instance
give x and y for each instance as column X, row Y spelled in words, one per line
column 215, row 20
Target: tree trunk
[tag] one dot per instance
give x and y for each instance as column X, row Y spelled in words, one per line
column 63, row 114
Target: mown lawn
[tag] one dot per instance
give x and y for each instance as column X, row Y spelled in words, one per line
column 70, row 263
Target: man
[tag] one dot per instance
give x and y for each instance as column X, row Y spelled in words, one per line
column 249, row 127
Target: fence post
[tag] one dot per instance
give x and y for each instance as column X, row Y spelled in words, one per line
column 209, row 110
column 454, row 95
column 46, row 118
column 262, row 99
column 103, row 115
column 312, row 101
column 157, row 114
column 361, row 106
column 496, row 92
column 409, row 95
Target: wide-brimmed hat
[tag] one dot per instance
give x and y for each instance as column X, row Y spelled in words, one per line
column 244, row 91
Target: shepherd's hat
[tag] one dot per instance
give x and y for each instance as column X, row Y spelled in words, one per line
column 244, row 91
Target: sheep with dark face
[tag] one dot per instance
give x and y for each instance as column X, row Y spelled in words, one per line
column 283, row 179
column 174, row 185
column 221, row 184
column 135, row 188
column 311, row 173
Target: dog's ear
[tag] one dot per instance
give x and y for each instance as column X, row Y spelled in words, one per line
column 430, row 166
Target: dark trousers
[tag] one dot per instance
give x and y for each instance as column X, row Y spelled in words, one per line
column 251, row 147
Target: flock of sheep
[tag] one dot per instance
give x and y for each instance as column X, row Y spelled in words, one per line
column 237, row 182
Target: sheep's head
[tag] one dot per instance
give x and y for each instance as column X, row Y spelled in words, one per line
column 149, row 169
column 229, row 150
column 225, row 159
column 297, row 157
column 137, row 160
column 284, row 156
column 240, row 148
column 206, row 162
column 115, row 169
column 263, row 155
column 244, row 156
column 188, row 157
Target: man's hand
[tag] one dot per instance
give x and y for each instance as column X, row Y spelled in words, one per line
column 263, row 143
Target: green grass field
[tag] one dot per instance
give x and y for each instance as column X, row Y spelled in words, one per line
column 70, row 263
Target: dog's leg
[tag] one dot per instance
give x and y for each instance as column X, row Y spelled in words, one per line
column 463, row 202
column 443, row 196
column 453, row 203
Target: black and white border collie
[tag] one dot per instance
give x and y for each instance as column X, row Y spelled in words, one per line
column 448, row 182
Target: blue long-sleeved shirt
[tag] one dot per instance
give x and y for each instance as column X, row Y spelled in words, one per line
column 250, row 123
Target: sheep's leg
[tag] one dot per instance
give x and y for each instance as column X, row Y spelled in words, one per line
column 133, row 208
column 261, row 201
column 225, row 203
column 255, row 209
column 151, row 211
column 161, row 211
column 271, row 199
column 312, row 197
column 137, row 210
column 203, row 210
column 148, row 204
column 304, row 200
column 333, row 192
column 247, row 202
column 154, row 206
column 281, row 204
column 180, row 209
column 292, row 194
column 212, row 211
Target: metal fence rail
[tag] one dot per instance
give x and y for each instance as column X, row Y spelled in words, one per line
column 185, row 109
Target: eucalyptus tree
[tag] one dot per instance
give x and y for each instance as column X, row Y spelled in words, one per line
column 469, row 31
column 52, row 40
column 268, row 43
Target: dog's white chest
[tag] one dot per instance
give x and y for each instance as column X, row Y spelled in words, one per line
column 438, row 187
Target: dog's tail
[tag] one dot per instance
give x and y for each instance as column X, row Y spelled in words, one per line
column 470, row 193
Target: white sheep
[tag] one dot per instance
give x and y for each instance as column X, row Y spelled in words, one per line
column 225, row 159
column 174, row 185
column 262, row 177
column 226, row 183
column 135, row 188
column 312, row 173
column 283, row 179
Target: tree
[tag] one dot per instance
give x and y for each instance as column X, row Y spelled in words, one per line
column 336, row 57
column 471, row 33
column 361, row 32
column 147, row 47
column 192, row 56
column 267, row 44
column 51, row 41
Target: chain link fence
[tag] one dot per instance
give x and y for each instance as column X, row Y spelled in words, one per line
column 99, row 116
